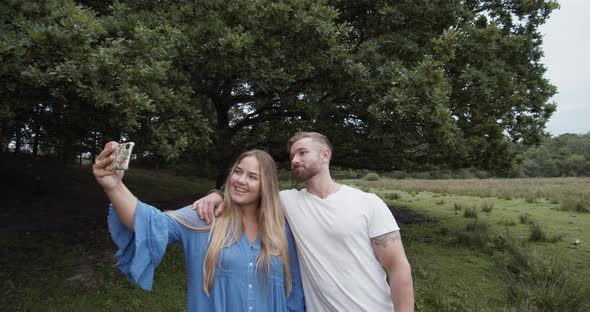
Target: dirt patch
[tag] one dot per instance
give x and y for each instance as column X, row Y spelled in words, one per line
column 405, row 215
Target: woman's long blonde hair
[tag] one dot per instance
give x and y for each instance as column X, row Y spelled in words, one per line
column 227, row 228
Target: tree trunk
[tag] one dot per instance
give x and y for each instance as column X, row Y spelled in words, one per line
column 36, row 145
column 18, row 140
column 68, row 151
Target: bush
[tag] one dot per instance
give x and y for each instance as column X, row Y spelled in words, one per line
column 425, row 175
column 458, row 207
column 398, row 174
column 341, row 173
column 537, row 234
column 470, row 213
column 371, row 176
column 476, row 235
column 486, row 207
column 440, row 202
column 577, row 205
column 392, row 196
column 526, row 218
column 531, row 199
column 536, row 282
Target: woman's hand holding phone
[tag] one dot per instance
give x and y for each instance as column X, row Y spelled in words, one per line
column 108, row 179
column 111, row 181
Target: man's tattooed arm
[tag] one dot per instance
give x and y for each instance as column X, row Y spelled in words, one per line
column 382, row 240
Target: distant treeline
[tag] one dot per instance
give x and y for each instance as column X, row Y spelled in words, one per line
column 567, row 155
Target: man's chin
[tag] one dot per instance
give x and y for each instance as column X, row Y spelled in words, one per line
column 300, row 178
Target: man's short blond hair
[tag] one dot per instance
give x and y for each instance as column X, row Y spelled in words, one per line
column 316, row 136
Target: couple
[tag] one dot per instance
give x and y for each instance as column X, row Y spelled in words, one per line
column 344, row 237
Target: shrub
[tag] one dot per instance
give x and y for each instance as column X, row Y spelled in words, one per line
column 398, row 174
column 537, row 234
column 577, row 205
column 470, row 213
column 475, row 234
column 341, row 173
column 536, row 282
column 392, row 196
column 530, row 199
column 526, row 218
column 440, row 202
column 458, row 207
column 487, row 207
column 371, row 176
column 425, row 175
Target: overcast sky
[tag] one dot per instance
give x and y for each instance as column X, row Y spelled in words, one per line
column 566, row 44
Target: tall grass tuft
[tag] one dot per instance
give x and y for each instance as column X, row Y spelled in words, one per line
column 475, row 234
column 458, row 207
column 537, row 234
column 470, row 213
column 539, row 283
column 526, row 218
column 487, row 207
column 574, row 204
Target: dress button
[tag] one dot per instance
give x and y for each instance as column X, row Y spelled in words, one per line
column 250, row 264
column 250, row 285
column 250, row 308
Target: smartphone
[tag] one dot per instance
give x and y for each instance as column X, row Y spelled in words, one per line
column 122, row 155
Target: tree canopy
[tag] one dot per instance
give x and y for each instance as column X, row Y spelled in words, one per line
column 395, row 85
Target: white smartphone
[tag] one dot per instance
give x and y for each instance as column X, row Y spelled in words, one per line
column 122, row 155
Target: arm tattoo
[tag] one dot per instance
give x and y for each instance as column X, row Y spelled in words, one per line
column 382, row 240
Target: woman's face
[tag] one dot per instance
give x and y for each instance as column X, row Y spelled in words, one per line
column 244, row 182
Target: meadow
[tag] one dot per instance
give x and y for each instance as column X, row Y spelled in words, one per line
column 495, row 245
column 477, row 245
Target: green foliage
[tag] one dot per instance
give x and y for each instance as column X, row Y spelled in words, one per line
column 470, row 213
column 539, row 283
column 565, row 155
column 537, row 233
column 526, row 218
column 487, row 207
column 405, row 85
column 371, row 176
column 474, row 235
column 574, row 204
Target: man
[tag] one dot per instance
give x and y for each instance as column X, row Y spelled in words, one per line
column 344, row 237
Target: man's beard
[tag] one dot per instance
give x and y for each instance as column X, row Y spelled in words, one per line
column 306, row 174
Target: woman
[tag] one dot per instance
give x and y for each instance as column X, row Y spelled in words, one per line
column 244, row 261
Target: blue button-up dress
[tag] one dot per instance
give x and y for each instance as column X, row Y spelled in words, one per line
column 237, row 285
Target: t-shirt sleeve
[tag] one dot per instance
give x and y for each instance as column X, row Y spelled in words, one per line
column 381, row 221
column 141, row 250
column 296, row 300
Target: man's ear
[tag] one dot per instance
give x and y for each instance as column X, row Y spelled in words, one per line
column 326, row 155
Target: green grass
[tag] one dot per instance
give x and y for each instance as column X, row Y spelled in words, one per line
column 458, row 263
column 75, row 271
column 83, row 278
column 571, row 193
column 461, row 249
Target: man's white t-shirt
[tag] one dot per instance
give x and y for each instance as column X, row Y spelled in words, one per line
column 339, row 268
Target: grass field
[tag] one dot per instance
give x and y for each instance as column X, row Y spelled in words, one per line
column 456, row 269
column 481, row 245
